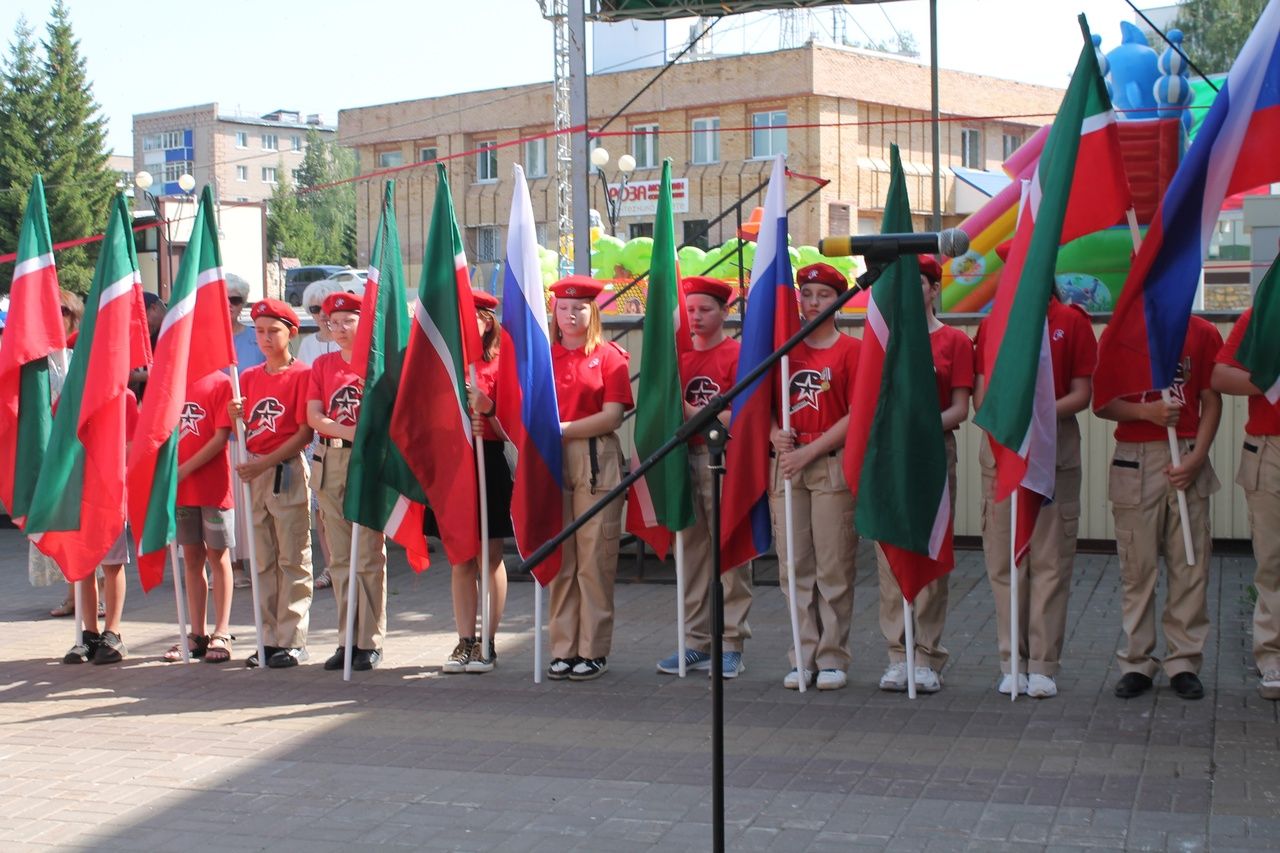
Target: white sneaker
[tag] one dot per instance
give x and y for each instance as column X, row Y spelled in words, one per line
column 1041, row 686
column 895, row 677
column 832, row 679
column 1006, row 684
column 1269, row 686
column 792, row 681
column 927, row 681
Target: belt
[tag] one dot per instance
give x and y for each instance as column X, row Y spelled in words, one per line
column 334, row 442
column 799, row 444
column 1252, row 448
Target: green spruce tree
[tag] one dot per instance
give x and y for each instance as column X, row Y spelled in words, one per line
column 24, row 122
column 291, row 233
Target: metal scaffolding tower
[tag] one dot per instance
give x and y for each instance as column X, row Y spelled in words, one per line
column 569, row 89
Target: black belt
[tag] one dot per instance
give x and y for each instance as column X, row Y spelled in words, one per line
column 334, row 442
column 773, row 454
column 1252, row 448
column 595, row 462
column 1126, row 463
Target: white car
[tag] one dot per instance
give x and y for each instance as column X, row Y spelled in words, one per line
column 351, row 281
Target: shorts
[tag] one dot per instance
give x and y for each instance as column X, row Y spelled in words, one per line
column 119, row 553
column 206, row 525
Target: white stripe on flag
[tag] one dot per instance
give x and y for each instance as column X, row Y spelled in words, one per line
column 446, row 359
column 876, row 321
column 941, row 520
column 374, row 274
column 116, row 290
column 177, row 311
column 1273, row 393
column 1041, row 446
column 1094, row 123
column 396, row 518
column 31, row 265
column 209, row 276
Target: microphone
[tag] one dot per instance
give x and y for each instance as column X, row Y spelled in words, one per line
column 949, row 243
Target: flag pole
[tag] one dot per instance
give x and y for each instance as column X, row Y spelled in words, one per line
column 790, row 526
column 180, row 594
column 537, row 631
column 908, row 621
column 483, row 486
column 680, row 614
column 1014, row 631
column 77, row 594
column 246, row 501
column 348, row 651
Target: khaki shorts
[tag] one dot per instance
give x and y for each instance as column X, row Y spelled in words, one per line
column 206, row 525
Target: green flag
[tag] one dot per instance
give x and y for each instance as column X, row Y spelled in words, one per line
column 1259, row 351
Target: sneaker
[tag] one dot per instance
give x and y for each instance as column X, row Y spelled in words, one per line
column 458, row 658
column 560, row 668
column 731, row 665
column 792, row 681
column 693, row 659
column 1269, row 686
column 84, row 651
column 366, row 659
column 1041, row 686
column 252, row 660
column 1187, row 685
column 1006, row 684
column 479, row 661
column 1132, row 684
column 587, row 669
column 928, row 681
column 286, row 658
column 895, row 677
column 832, row 679
column 337, row 660
column 110, row 649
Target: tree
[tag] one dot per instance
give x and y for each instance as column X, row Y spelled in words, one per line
column 1214, row 30
column 24, row 121
column 329, row 210
column 291, row 233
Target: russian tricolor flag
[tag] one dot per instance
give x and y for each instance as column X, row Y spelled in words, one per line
column 527, row 407
column 1234, row 151
column 772, row 316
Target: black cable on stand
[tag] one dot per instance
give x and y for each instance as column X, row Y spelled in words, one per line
column 716, row 437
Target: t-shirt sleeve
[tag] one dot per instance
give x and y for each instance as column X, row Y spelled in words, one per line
column 1084, row 349
column 1210, row 346
column 617, row 378
column 1227, row 354
column 314, row 391
column 130, row 414
column 962, row 361
column 978, row 344
column 219, row 399
column 304, row 383
column 851, row 368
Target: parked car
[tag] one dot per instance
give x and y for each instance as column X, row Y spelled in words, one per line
column 350, row 280
column 297, row 279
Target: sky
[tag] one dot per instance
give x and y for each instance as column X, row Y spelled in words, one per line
column 320, row 56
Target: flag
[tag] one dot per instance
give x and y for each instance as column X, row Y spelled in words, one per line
column 772, row 316
column 431, row 423
column 1018, row 412
column 1259, row 351
column 661, row 501
column 33, row 333
column 894, row 452
column 78, row 508
column 527, row 408
column 381, row 491
column 1233, row 151
column 197, row 314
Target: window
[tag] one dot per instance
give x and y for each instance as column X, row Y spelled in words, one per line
column 242, row 198
column 640, row 229
column 151, row 142
column 172, row 139
column 294, row 173
column 487, row 160
column 1011, row 143
column 175, row 170
column 768, row 134
column 695, row 233
column 488, row 244
column 535, row 158
column 540, row 233
column 242, row 139
column 971, row 149
column 268, row 174
column 270, row 142
column 706, row 140
column 242, row 173
column 390, row 159
column 295, row 142
column 644, row 145
column 427, row 153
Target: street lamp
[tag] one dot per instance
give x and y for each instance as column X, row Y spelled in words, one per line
column 626, row 165
column 143, row 181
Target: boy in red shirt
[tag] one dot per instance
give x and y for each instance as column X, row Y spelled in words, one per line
column 274, row 411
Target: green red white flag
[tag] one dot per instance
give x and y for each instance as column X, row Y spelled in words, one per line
column 381, row 491
column 661, row 501
column 78, row 509
column 1259, row 351
column 194, row 341
column 894, row 452
column 431, row 421
column 33, row 333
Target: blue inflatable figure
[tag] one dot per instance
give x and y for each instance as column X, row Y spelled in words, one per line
column 1173, row 89
column 1134, row 71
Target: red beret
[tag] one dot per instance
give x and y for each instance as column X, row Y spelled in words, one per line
column 1002, row 251
column 930, row 268
column 484, row 300
column 274, row 308
column 341, row 301
column 712, row 287
column 577, row 287
column 822, row 274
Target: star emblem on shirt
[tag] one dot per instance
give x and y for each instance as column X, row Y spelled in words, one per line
column 806, row 385
column 189, row 420
column 264, row 416
column 700, row 390
column 344, row 405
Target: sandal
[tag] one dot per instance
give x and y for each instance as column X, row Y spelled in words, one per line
column 66, row 608
column 219, row 649
column 196, row 648
column 241, row 580
column 324, row 581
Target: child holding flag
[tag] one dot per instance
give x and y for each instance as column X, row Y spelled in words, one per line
column 274, row 411
column 811, row 455
column 593, row 390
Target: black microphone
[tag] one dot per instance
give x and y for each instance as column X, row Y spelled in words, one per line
column 949, row 243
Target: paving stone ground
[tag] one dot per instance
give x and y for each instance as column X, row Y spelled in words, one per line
column 154, row 756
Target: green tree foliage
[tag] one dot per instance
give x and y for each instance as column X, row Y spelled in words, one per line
column 291, row 233
column 317, row 224
column 24, row 117
column 1215, row 30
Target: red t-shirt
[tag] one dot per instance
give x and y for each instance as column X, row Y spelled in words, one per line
column 487, row 383
column 821, row 386
column 275, row 405
column 1264, row 417
column 337, row 388
column 952, row 362
column 1194, row 370
column 203, row 414
column 130, row 413
column 584, row 383
column 1072, row 345
column 706, row 373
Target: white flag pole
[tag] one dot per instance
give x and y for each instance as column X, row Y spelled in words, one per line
column 1014, row 631
column 908, row 621
column 349, row 649
column 790, row 527
column 481, row 482
column 179, row 593
column 537, row 631
column 77, row 605
column 246, row 506
column 680, row 614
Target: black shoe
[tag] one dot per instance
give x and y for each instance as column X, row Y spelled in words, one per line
column 1187, row 685
column 479, row 662
column 252, row 660
column 110, row 649
column 588, row 669
column 336, row 661
column 366, row 659
column 1132, row 684
column 84, row 651
column 561, row 667
column 286, row 658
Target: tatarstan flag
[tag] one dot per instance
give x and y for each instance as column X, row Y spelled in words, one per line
column 1259, row 351
column 78, row 508
column 194, row 341
column 894, row 456
column 34, row 331
column 381, row 492
column 431, row 422
column 661, row 502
